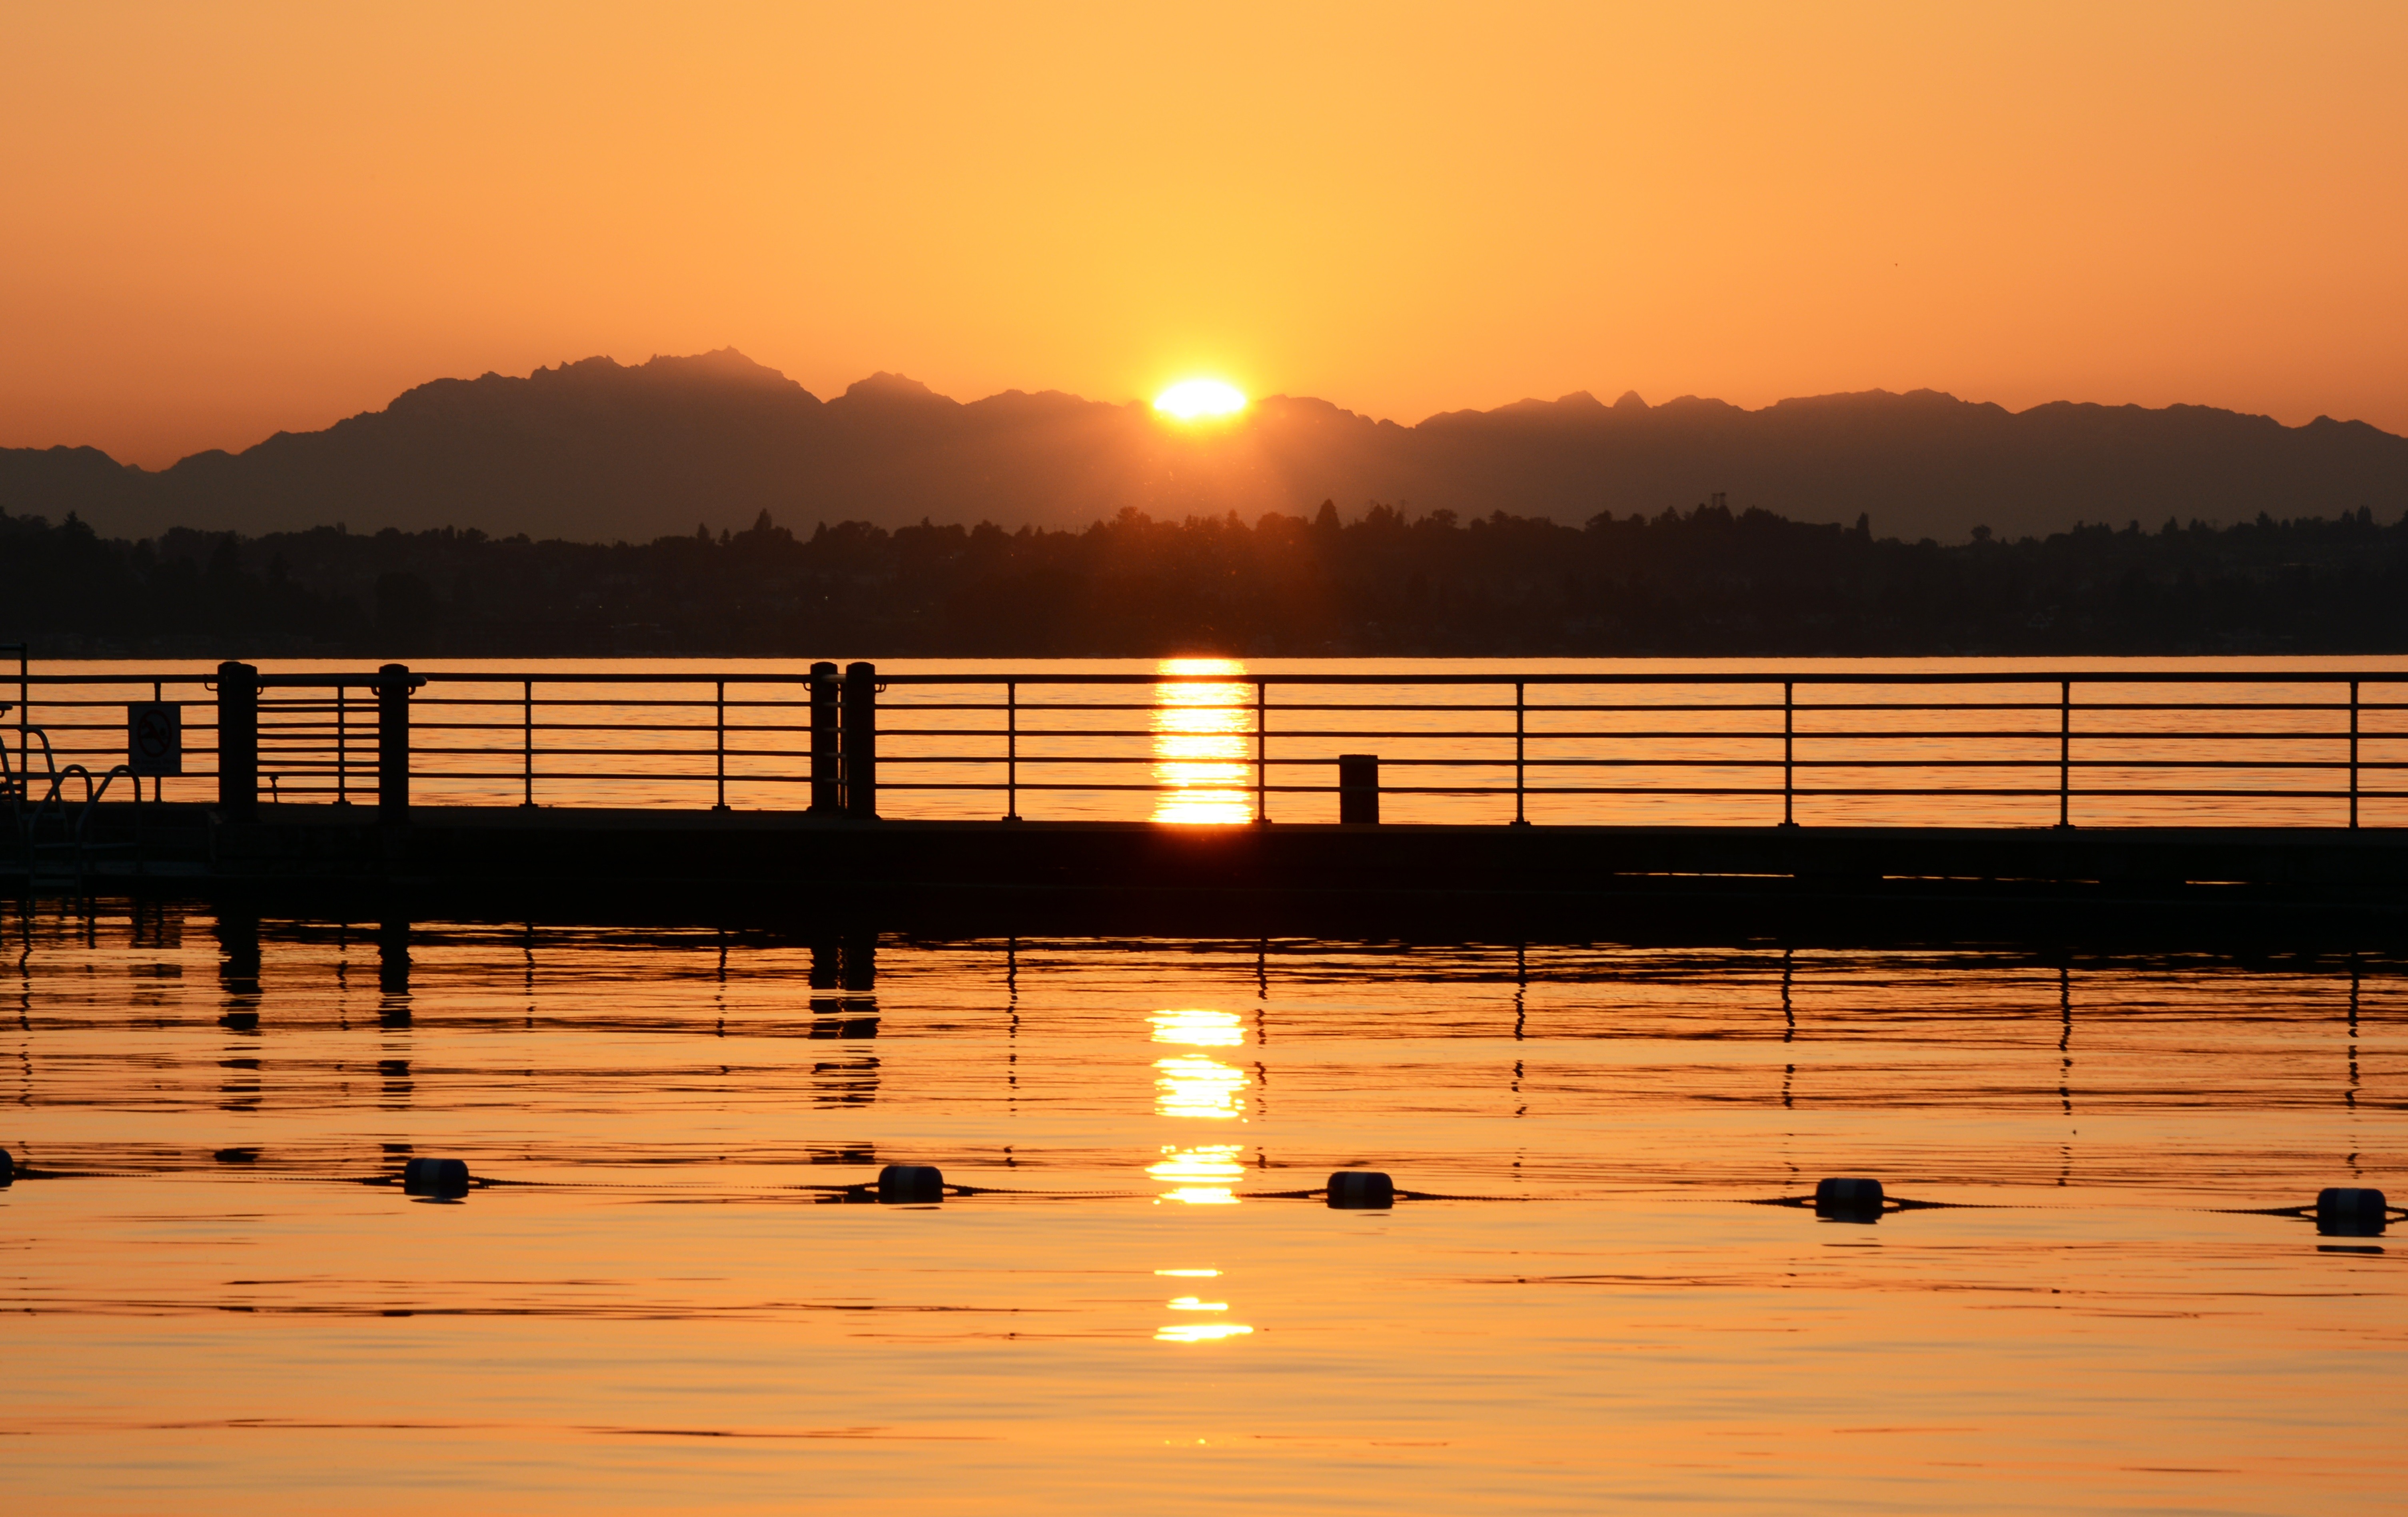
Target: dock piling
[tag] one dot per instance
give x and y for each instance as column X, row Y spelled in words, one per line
column 238, row 741
column 1359, row 787
column 827, row 774
column 860, row 734
column 392, row 744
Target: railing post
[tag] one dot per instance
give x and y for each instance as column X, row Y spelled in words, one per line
column 342, row 746
column 2065, row 753
column 1262, row 782
column 721, row 755
column 1519, row 819
column 1359, row 787
column 1011, row 750
column 392, row 744
column 238, row 741
column 860, row 734
column 526, row 736
column 827, row 778
column 1790, row 753
column 2353, row 753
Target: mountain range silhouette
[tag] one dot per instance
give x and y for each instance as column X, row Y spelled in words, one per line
column 596, row 450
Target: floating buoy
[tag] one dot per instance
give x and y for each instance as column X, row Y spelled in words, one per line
column 2349, row 1211
column 1361, row 1190
column 7, row 1168
column 910, row 1184
column 1848, row 1199
column 436, row 1177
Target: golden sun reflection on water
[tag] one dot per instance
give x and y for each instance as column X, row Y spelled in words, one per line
column 1196, row 1332
column 1199, row 1028
column 1198, row 1085
column 1200, row 1332
column 1201, row 1176
column 1199, row 752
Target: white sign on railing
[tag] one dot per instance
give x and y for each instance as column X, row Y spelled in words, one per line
column 154, row 738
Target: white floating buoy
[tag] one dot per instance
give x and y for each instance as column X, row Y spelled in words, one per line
column 2350, row 1211
column 1848, row 1199
column 910, row 1184
column 1361, row 1190
column 436, row 1177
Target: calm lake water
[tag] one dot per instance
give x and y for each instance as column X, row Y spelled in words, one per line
column 652, row 1306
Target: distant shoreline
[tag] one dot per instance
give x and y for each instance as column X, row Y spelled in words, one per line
column 1708, row 582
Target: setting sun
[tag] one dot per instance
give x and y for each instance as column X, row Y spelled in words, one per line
column 1192, row 400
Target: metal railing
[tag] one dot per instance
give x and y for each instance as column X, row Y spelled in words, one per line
column 2291, row 747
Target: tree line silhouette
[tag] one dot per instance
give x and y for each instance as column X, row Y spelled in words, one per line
column 1709, row 580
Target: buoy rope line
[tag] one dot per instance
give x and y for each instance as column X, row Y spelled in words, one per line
column 1889, row 1204
column 868, row 1190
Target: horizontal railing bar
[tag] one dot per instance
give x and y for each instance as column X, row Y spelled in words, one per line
column 1234, row 788
column 1509, row 676
column 1646, row 762
column 1408, row 735
column 1237, row 766
column 1592, row 735
column 367, row 711
column 369, row 679
column 1069, row 734
column 1237, row 796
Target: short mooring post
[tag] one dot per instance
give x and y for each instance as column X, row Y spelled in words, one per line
column 392, row 744
column 860, row 734
column 827, row 776
column 238, row 741
column 1359, row 787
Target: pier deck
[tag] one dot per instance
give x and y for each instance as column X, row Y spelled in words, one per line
column 769, row 859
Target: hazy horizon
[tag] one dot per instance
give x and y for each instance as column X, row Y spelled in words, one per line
column 1605, row 397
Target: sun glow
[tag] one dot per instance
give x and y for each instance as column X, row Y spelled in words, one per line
column 1193, row 400
column 1203, row 1176
column 1200, row 744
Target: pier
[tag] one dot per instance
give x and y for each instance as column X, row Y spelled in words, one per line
column 1581, row 795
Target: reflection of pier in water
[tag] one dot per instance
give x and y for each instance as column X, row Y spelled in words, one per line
column 283, row 1021
column 848, row 964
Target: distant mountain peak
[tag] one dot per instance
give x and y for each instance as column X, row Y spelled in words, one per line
column 723, row 365
column 883, row 386
column 1631, row 401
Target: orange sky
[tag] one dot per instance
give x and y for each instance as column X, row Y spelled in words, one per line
column 222, row 220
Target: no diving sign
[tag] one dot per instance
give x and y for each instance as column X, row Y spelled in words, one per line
column 154, row 738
